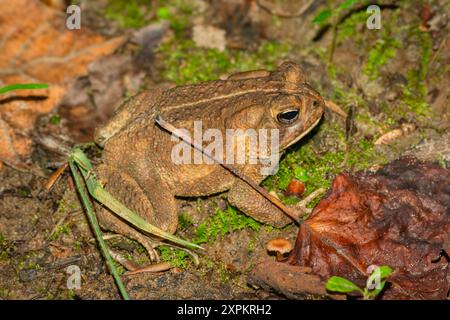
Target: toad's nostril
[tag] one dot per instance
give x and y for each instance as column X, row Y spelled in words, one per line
column 315, row 103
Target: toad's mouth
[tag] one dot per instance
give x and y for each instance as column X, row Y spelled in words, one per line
column 303, row 134
column 268, row 158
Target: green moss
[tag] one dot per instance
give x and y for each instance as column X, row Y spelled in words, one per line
column 28, row 261
column 74, row 205
column 163, row 13
column 269, row 228
column 31, row 266
column 252, row 244
column 224, row 274
column 70, row 295
column 24, row 192
column 363, row 155
column 3, row 247
column 129, row 14
column 321, row 166
column 186, row 63
column 180, row 16
column 5, row 294
column 384, row 50
column 414, row 94
column 176, row 257
column 62, row 229
column 55, row 119
column 184, row 221
column 137, row 14
column 119, row 268
column 415, row 102
column 222, row 223
column 46, row 292
column 442, row 162
column 77, row 245
column 62, row 206
column 348, row 28
column 207, row 264
column 142, row 260
column 35, row 218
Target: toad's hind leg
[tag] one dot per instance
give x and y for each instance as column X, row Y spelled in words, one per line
column 125, row 189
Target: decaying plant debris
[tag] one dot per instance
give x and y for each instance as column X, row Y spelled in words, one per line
column 57, row 57
column 398, row 216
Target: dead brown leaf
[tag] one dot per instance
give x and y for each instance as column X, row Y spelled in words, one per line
column 36, row 47
column 398, row 216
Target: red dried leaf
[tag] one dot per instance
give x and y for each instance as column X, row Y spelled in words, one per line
column 36, row 47
column 398, row 216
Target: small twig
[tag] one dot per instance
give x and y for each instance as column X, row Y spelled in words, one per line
column 129, row 265
column 55, row 176
column 112, row 236
column 333, row 43
column 309, row 198
column 157, row 267
column 335, row 108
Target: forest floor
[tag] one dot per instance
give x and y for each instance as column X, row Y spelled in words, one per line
column 392, row 82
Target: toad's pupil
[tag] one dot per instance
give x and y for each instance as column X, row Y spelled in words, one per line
column 288, row 116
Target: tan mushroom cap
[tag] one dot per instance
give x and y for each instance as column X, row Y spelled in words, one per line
column 279, row 245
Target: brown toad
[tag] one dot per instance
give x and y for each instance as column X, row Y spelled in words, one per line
column 138, row 166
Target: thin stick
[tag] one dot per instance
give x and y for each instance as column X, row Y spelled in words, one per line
column 55, row 176
column 158, row 267
column 333, row 43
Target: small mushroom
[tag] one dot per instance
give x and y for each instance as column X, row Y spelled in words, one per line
column 280, row 246
column 295, row 188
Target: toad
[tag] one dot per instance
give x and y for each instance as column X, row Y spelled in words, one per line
column 138, row 166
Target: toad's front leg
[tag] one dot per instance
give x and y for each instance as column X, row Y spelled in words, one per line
column 252, row 203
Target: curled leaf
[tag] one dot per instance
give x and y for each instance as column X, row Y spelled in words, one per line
column 397, row 217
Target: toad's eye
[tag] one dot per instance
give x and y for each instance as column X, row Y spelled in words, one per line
column 288, row 117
